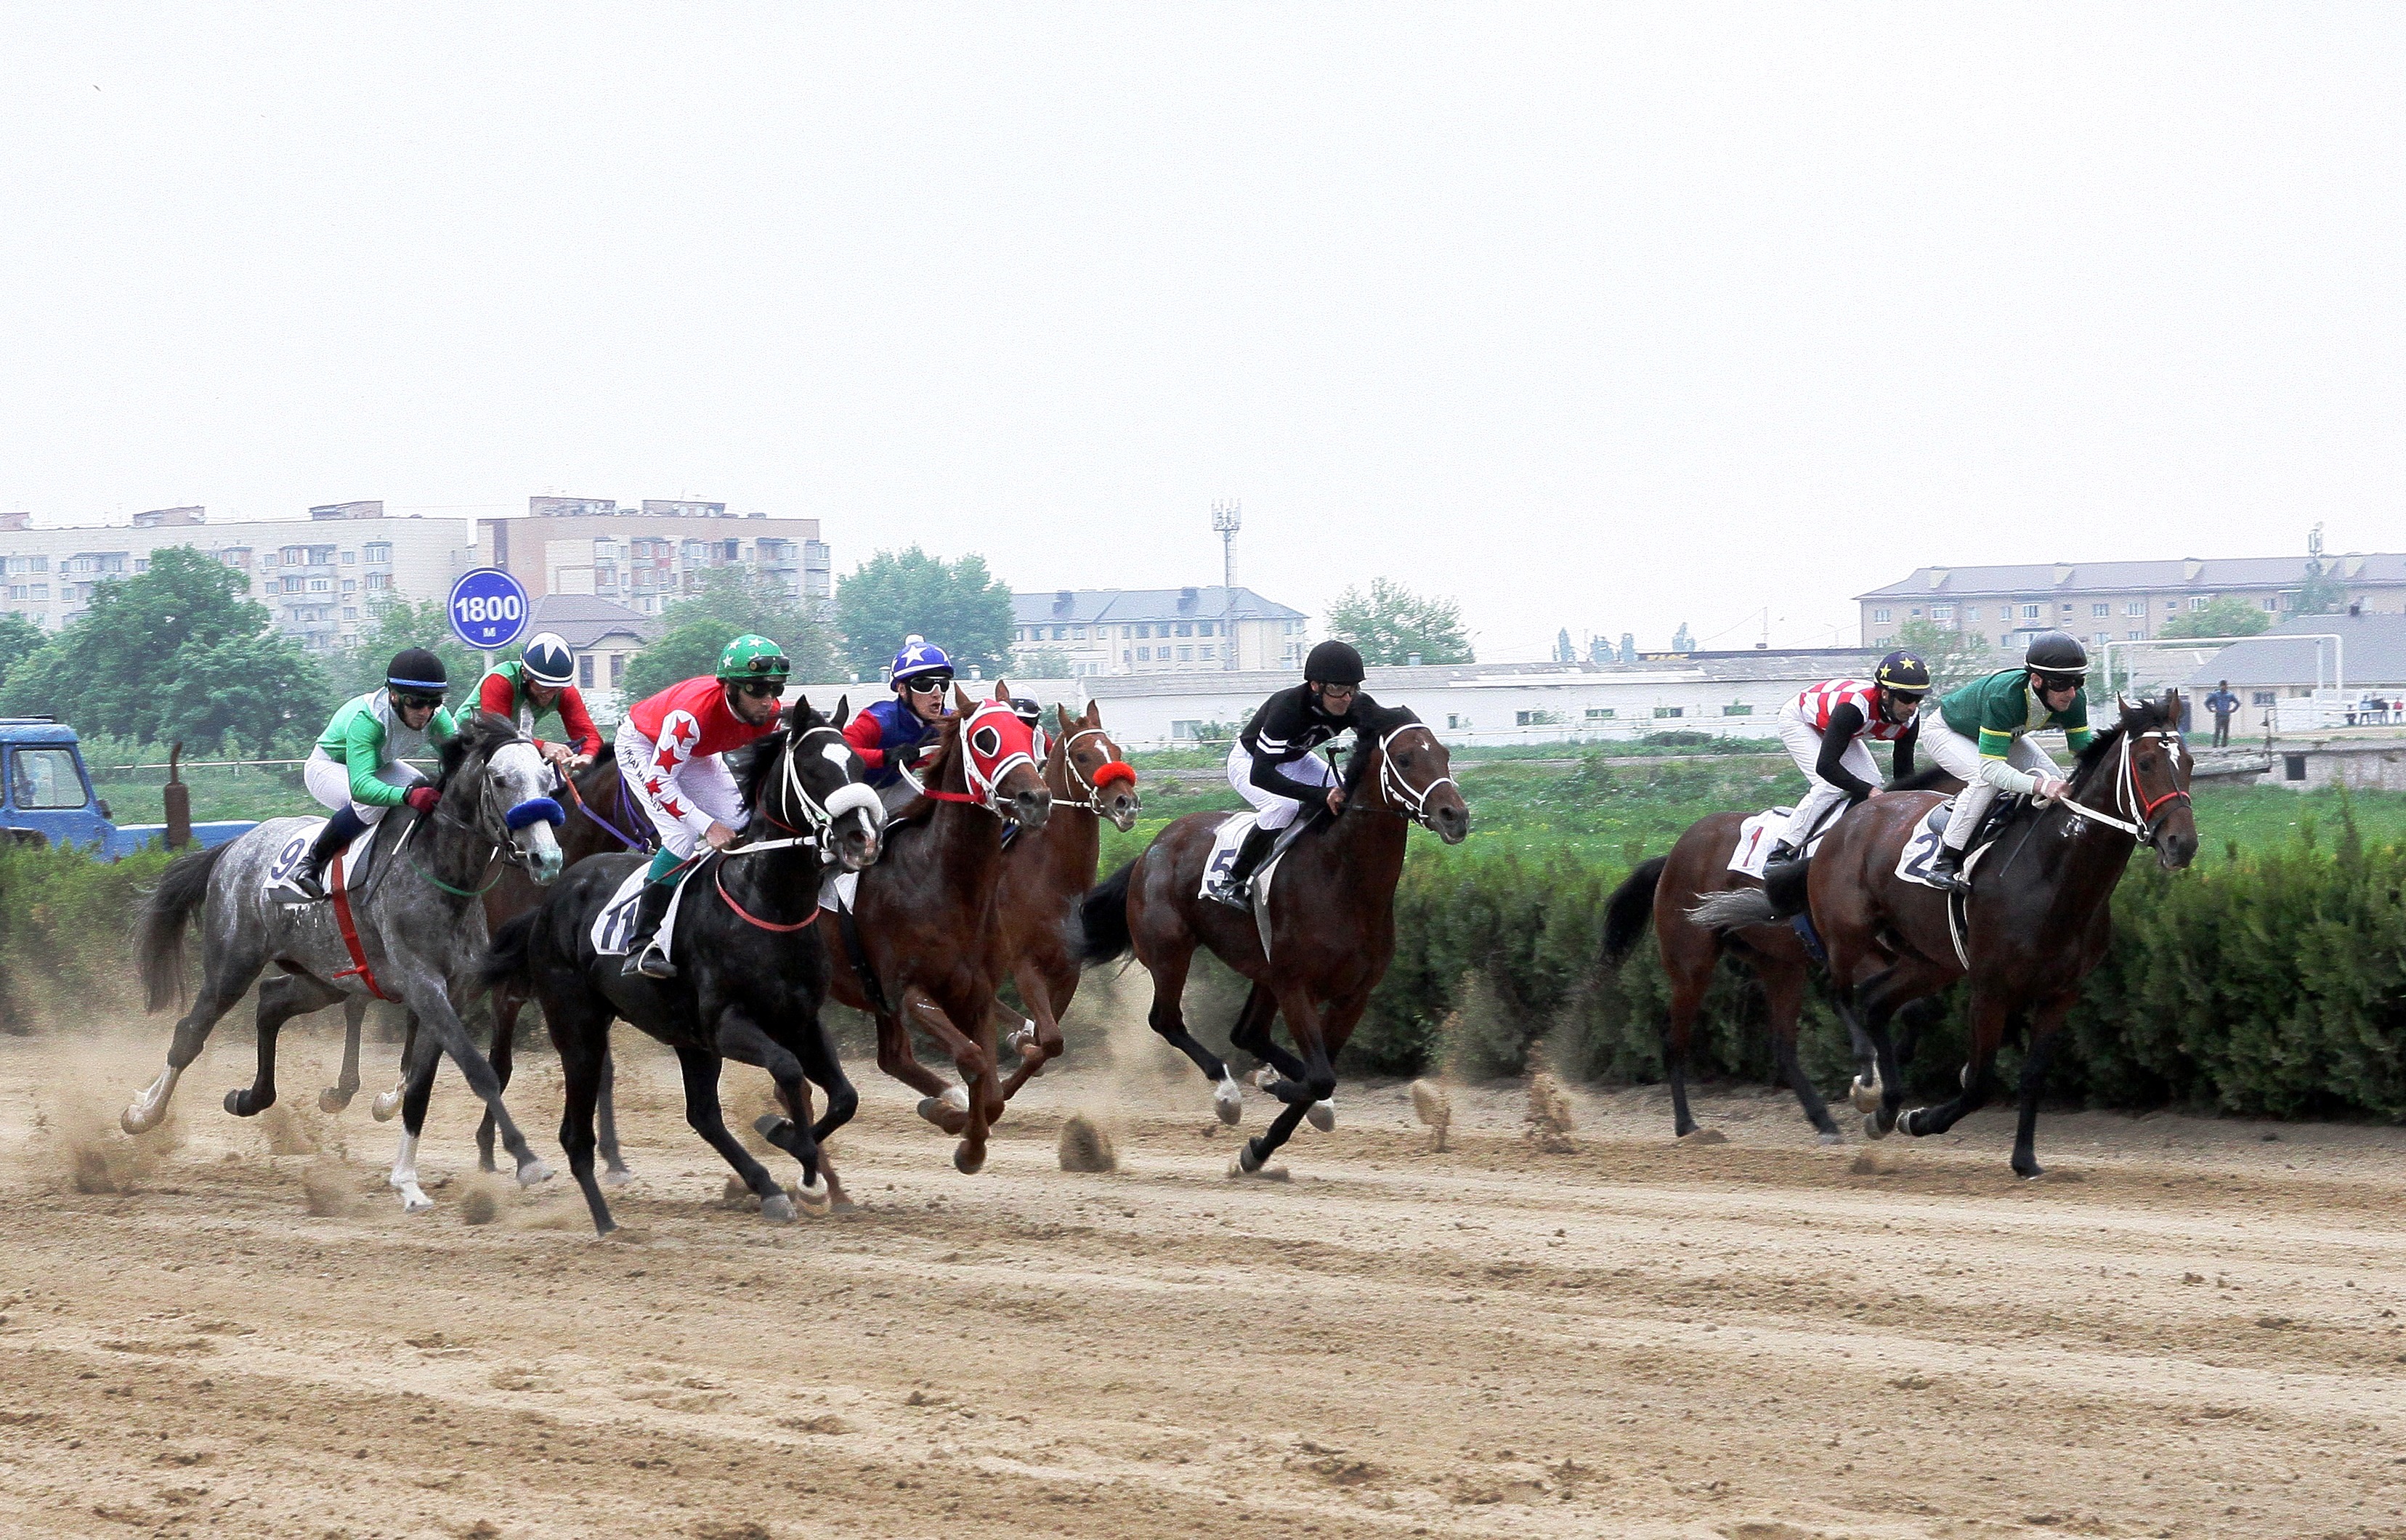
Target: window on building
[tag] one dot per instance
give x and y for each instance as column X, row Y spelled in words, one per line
column 1078, row 632
column 617, row 669
column 1738, row 711
column 1204, row 628
column 2261, row 698
column 379, row 550
column 1600, row 713
column 1144, row 655
column 1914, row 614
column 2194, row 605
column 2134, row 636
column 1188, row 727
column 2274, row 605
column 1144, row 630
column 1881, row 618
column 1942, row 612
column 585, row 673
column 2136, row 606
column 349, row 613
column 1670, row 711
column 1456, row 722
column 1207, row 652
column 2098, row 611
column 41, row 590
column 2030, row 612
column 1970, row 611
column 141, row 563
column 2102, row 636
column 350, row 585
column 1184, row 628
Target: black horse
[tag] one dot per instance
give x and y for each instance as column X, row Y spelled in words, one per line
column 750, row 975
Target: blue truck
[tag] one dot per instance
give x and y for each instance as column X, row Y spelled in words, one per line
column 46, row 797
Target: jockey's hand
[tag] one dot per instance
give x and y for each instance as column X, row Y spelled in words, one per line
column 577, row 764
column 1336, row 799
column 557, row 752
column 422, row 799
column 719, row 836
column 2050, row 787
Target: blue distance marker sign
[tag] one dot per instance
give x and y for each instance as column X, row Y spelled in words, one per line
column 488, row 609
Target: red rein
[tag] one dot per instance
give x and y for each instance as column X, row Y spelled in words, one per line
column 719, row 878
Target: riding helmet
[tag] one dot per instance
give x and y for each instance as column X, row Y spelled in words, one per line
column 548, row 662
column 1902, row 671
column 1333, row 662
column 920, row 655
column 2058, row 653
column 416, row 669
column 750, row 656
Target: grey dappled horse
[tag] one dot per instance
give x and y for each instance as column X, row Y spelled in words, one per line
column 416, row 915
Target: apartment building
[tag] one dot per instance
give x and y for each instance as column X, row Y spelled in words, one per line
column 645, row 556
column 319, row 577
column 2114, row 601
column 1155, row 630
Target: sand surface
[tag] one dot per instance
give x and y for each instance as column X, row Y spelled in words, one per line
column 2187, row 1329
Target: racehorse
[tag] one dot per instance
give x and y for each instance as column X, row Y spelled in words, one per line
column 925, row 916
column 1329, row 921
column 749, row 982
column 417, row 927
column 2037, row 921
column 1045, row 871
column 602, row 817
column 1664, row 890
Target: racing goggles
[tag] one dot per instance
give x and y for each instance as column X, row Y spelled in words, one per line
column 927, row 684
column 758, row 689
column 1909, row 699
column 411, row 700
column 2055, row 683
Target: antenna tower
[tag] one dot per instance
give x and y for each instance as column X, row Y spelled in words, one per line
column 1227, row 519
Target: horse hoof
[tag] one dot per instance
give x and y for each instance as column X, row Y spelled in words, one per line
column 774, row 1125
column 386, row 1105
column 967, row 1163
column 1228, row 1100
column 617, row 1176
column 234, row 1103
column 1832, row 1136
column 955, row 1098
column 414, row 1201
column 332, row 1100
column 1265, row 1078
column 2033, row 1173
column 777, row 1208
column 533, row 1171
column 1321, row 1115
column 1871, row 1129
column 132, row 1122
column 1867, row 1095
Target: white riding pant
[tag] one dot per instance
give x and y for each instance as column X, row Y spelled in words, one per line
column 1273, row 811
column 705, row 782
column 331, row 785
column 1804, row 746
column 1960, row 756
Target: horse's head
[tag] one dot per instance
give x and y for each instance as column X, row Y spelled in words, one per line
column 1087, row 770
column 2137, row 771
column 495, row 781
column 1414, row 773
column 997, row 754
column 808, row 780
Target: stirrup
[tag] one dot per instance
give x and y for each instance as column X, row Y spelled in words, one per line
column 1951, row 879
column 303, row 887
column 651, row 961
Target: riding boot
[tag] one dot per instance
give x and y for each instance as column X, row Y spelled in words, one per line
column 1946, row 870
column 647, row 951
column 1782, row 853
column 309, row 881
column 1249, row 855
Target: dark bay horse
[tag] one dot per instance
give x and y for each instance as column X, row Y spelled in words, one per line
column 750, row 977
column 926, row 916
column 1331, row 921
column 2037, row 922
column 1045, row 872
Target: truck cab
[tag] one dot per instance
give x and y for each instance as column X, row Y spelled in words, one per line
column 46, row 796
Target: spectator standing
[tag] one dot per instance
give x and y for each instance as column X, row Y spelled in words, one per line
column 2222, row 703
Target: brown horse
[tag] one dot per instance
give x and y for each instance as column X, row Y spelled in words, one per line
column 1046, row 871
column 1331, row 921
column 603, row 817
column 926, row 912
column 2038, row 919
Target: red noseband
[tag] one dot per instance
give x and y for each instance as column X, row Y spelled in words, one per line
column 1115, row 769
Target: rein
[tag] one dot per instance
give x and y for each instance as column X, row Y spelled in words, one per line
column 587, row 808
column 1401, row 795
column 1113, row 771
column 2128, row 796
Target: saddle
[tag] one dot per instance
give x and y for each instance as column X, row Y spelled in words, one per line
column 615, row 925
column 347, row 871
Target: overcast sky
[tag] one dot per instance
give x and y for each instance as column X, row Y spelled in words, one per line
column 1601, row 317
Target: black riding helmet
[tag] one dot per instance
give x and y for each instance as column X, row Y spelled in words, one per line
column 1333, row 663
column 414, row 671
column 1903, row 674
column 2057, row 658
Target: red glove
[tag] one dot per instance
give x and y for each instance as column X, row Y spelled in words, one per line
column 423, row 798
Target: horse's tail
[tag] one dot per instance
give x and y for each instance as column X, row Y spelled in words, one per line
column 511, row 956
column 159, row 925
column 1099, row 932
column 1735, row 909
column 1629, row 910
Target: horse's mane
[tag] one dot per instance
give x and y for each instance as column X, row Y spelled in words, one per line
column 1367, row 733
column 2137, row 716
column 480, row 733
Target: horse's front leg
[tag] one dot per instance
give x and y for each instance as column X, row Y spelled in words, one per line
column 2046, row 1026
column 333, row 1098
column 432, row 1003
column 1038, row 1039
column 1988, row 1013
column 280, row 999
column 388, row 1102
column 1319, row 1083
column 972, row 1059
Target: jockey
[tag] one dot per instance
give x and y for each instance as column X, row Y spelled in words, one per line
column 888, row 736
column 670, row 750
column 540, row 680
column 1981, row 738
column 356, row 770
column 1825, row 730
column 1271, row 764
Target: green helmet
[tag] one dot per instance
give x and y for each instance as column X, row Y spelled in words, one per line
column 751, row 656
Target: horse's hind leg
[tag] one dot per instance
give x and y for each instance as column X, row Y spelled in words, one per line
column 1988, row 1030
column 1689, row 980
column 1167, row 1020
column 740, row 1039
column 1252, row 1034
column 1317, row 1084
column 616, row 1174
column 333, row 1098
column 705, row 1117
column 227, row 977
column 508, row 1001
column 583, row 1039
column 386, row 1103
column 1783, row 991
column 2043, row 1030
column 280, row 999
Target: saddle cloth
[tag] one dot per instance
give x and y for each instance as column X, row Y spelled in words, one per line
column 1921, row 848
column 349, row 864
column 1758, row 834
column 1228, row 839
column 615, row 925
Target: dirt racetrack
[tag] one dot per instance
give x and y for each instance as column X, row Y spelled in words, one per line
column 2188, row 1329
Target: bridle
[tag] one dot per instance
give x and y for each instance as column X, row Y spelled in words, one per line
column 533, row 809
column 985, row 783
column 817, row 817
column 1402, row 796
column 1089, row 792
column 2128, row 796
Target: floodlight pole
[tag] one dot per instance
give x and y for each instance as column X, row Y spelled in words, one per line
column 1227, row 519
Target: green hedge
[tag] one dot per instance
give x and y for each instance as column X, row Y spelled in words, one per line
column 64, row 924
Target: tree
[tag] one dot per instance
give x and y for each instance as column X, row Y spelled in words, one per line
column 958, row 605
column 2230, row 615
column 20, row 638
column 1391, row 623
column 402, row 625
column 168, row 650
column 726, row 602
column 1952, row 656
